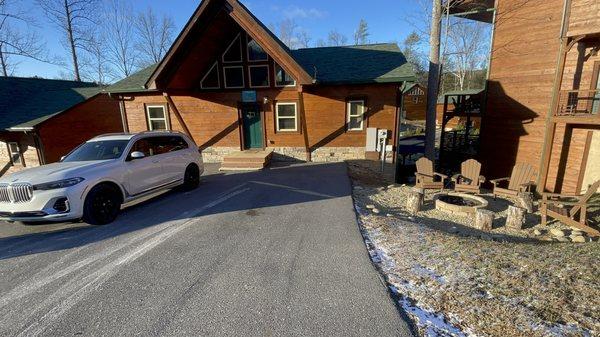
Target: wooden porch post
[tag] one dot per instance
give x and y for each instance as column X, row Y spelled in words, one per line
column 177, row 115
column 303, row 122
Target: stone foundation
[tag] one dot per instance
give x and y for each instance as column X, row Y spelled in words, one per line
column 288, row 154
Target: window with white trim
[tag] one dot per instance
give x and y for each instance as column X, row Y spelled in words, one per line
column 356, row 113
column 15, row 153
column 233, row 53
column 157, row 117
column 233, row 77
column 211, row 79
column 282, row 78
column 255, row 51
column 286, row 117
column 259, row 76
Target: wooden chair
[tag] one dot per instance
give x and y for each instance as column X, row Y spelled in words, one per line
column 519, row 181
column 469, row 179
column 567, row 211
column 426, row 175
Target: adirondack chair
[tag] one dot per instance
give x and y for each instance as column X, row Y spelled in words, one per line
column 519, row 181
column 555, row 206
column 426, row 176
column 469, row 179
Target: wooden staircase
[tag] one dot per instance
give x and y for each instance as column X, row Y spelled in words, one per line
column 248, row 160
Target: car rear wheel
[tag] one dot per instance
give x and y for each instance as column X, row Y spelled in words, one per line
column 102, row 205
column 191, row 178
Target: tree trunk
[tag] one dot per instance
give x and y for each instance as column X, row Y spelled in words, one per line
column 526, row 201
column 433, row 79
column 515, row 218
column 72, row 41
column 484, row 219
column 414, row 202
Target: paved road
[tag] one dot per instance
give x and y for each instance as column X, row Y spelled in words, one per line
column 268, row 253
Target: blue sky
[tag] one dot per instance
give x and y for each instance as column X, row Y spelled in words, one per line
column 386, row 19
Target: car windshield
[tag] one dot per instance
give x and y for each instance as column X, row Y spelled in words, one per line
column 97, row 150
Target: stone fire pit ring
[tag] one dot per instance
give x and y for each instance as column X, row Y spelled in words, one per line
column 459, row 203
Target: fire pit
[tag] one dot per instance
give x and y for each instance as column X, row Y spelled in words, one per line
column 459, row 203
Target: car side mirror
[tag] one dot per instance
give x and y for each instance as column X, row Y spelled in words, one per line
column 62, row 158
column 137, row 155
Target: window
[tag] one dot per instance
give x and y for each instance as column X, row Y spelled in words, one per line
column 15, row 153
column 286, row 117
column 255, row 51
column 282, row 78
column 167, row 144
column 234, row 77
column 211, row 79
column 233, row 53
column 259, row 76
column 144, row 146
column 157, row 117
column 97, row 150
column 356, row 111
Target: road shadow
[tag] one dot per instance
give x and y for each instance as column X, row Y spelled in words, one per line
column 280, row 185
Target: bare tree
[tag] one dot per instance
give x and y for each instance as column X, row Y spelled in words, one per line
column 466, row 50
column 335, row 38
column 96, row 61
column 361, row 35
column 321, row 43
column 286, row 31
column 303, row 39
column 119, row 35
column 15, row 42
column 76, row 19
column 414, row 56
column 155, row 36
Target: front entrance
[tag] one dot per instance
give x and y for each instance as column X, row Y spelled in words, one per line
column 252, row 127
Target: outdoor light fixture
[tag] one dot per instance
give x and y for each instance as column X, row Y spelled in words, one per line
column 265, row 99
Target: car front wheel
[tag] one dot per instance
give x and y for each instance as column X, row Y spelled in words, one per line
column 191, row 178
column 102, row 205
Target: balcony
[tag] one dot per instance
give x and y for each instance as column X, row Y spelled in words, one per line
column 578, row 107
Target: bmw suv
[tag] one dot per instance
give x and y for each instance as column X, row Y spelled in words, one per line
column 94, row 180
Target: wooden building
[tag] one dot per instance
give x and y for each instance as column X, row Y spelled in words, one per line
column 42, row 120
column 414, row 103
column 233, row 86
column 543, row 89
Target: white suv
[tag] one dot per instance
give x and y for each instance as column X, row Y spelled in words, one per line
column 96, row 178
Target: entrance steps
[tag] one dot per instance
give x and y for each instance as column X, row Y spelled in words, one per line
column 248, row 160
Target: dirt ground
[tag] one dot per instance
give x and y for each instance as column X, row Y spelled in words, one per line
column 454, row 280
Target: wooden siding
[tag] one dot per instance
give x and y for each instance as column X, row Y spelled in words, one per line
column 415, row 111
column 212, row 117
column 584, row 17
column 61, row 133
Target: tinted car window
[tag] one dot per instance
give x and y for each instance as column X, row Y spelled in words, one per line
column 143, row 146
column 97, row 150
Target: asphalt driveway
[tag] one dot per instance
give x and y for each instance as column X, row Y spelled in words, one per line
column 269, row 253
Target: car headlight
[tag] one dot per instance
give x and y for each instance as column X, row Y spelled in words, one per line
column 58, row 184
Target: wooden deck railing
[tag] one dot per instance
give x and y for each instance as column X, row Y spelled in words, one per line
column 579, row 103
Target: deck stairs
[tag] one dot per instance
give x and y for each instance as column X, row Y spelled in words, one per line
column 247, row 160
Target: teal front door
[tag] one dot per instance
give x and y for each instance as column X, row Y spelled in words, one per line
column 252, row 126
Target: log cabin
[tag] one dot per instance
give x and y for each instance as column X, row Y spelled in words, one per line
column 42, row 120
column 235, row 88
column 543, row 89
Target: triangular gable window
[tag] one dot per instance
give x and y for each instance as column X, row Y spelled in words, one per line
column 211, row 79
column 233, row 53
column 255, row 51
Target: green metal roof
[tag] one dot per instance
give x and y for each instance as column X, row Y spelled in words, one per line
column 27, row 102
column 375, row 63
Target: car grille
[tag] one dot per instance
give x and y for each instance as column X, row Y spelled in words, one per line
column 16, row 193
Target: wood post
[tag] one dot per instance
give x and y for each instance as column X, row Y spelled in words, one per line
column 484, row 219
column 516, row 217
column 304, row 125
column 177, row 115
column 414, row 202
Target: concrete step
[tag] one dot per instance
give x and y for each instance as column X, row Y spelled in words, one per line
column 242, row 166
